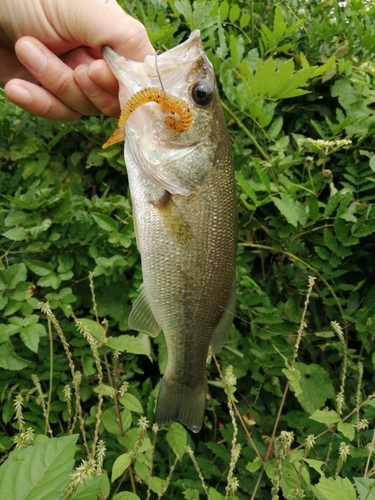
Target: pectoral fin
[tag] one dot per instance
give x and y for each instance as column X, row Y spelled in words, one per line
column 224, row 326
column 173, row 219
column 142, row 318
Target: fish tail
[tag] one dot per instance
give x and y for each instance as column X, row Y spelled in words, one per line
column 181, row 402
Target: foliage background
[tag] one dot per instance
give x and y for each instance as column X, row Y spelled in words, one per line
column 287, row 72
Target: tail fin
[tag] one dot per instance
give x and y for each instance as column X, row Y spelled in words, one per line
column 181, row 402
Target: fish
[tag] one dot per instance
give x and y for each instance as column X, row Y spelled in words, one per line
column 184, row 208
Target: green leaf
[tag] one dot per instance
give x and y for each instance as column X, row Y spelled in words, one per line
column 31, row 334
column 89, row 490
column 126, row 495
column 254, row 465
column 234, row 13
column 94, row 328
column 40, row 472
column 315, row 464
column 335, row 489
column 53, row 280
column 39, row 267
column 365, row 488
column 105, row 222
column 347, row 430
column 131, row 402
column 287, row 207
column 13, row 275
column 223, row 10
column 110, row 422
column 215, row 495
column 9, row 360
column 121, row 464
column 177, row 438
column 325, row 417
column 316, row 387
column 16, row 234
column 184, row 8
column 330, row 240
column 244, row 21
column 127, row 343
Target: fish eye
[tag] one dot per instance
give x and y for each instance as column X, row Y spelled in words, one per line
column 202, row 93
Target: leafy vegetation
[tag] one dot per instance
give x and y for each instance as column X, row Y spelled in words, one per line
column 290, row 402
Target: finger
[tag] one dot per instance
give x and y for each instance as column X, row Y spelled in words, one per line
column 11, row 67
column 55, row 76
column 103, row 100
column 100, row 73
column 38, row 101
column 95, row 23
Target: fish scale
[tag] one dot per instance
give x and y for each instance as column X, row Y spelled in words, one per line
column 184, row 207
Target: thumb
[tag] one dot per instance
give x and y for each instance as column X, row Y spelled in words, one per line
column 95, row 23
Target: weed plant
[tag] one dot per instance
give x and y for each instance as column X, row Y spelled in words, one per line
column 291, row 396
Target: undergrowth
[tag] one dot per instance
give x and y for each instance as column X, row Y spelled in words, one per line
column 291, row 400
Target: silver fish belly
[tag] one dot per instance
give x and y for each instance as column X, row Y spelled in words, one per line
column 184, row 207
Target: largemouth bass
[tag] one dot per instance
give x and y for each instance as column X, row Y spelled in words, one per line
column 184, row 208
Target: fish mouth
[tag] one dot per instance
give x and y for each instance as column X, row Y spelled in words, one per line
column 172, row 66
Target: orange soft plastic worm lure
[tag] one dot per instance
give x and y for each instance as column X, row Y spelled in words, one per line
column 179, row 120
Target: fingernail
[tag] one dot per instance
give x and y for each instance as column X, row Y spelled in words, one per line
column 30, row 55
column 19, row 95
column 89, row 87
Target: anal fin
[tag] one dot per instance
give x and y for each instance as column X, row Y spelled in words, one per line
column 224, row 325
column 142, row 318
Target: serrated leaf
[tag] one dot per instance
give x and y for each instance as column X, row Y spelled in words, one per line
column 335, row 489
column 325, row 417
column 330, row 240
column 341, row 230
column 131, row 403
column 44, row 468
column 177, row 438
column 105, row 222
column 121, row 464
column 287, row 207
column 184, row 8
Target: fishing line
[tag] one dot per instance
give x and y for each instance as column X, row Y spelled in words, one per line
column 288, row 334
column 157, row 70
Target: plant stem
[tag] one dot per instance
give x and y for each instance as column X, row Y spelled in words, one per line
column 277, row 421
column 248, row 435
column 50, row 371
column 297, row 259
column 247, row 131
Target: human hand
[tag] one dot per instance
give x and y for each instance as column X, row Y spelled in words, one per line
column 50, row 52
